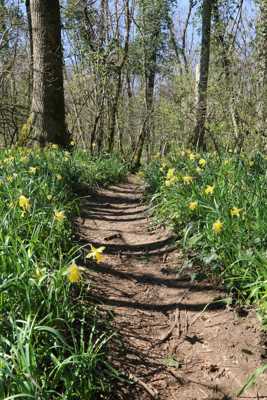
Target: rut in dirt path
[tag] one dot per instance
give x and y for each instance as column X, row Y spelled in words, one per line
column 176, row 339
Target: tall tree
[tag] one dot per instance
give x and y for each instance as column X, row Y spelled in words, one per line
column 199, row 133
column 263, row 60
column 46, row 123
column 154, row 17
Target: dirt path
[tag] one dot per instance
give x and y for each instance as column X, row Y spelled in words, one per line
column 174, row 337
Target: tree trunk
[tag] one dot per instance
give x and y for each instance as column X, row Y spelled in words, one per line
column 148, row 121
column 263, row 56
column 151, row 43
column 29, row 19
column 199, row 133
column 46, row 123
column 114, row 108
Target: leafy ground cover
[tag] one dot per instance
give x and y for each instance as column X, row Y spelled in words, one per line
column 46, row 349
column 217, row 206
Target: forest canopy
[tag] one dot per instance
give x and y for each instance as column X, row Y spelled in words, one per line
column 138, row 76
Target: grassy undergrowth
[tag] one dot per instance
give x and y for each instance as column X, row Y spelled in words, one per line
column 217, row 206
column 51, row 345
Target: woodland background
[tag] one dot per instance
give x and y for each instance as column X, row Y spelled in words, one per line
column 144, row 74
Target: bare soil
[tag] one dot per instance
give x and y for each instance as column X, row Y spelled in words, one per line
column 176, row 338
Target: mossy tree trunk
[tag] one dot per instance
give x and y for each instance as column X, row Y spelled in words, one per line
column 46, row 123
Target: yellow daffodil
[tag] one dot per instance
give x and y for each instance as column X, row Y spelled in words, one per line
column 32, row 170
column 59, row 177
column 209, row 189
column 10, row 178
column 49, row 197
column 24, row 203
column 24, row 159
column 235, row 212
column 59, row 215
column 217, row 226
column 96, row 254
column 199, row 170
column 163, row 165
column 171, row 181
column 39, row 273
column 74, row 274
column 187, row 179
column 170, row 173
column 192, row 156
column 193, row 205
column 11, row 204
column 54, row 146
column 202, row 163
column 72, row 143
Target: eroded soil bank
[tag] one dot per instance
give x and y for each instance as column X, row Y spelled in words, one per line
column 176, row 339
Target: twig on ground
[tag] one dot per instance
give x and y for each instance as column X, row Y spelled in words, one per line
column 179, row 324
column 153, row 393
column 168, row 334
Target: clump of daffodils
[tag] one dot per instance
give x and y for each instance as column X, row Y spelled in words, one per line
column 217, row 226
column 96, row 253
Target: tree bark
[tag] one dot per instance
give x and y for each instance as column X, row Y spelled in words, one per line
column 46, row 123
column 199, row 133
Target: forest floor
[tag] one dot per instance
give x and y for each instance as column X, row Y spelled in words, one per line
column 176, row 338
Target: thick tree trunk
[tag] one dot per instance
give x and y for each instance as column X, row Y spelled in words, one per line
column 199, row 134
column 46, row 123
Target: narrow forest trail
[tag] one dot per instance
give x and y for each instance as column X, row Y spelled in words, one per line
column 174, row 337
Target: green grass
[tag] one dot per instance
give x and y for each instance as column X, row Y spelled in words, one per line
column 237, row 251
column 51, row 343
